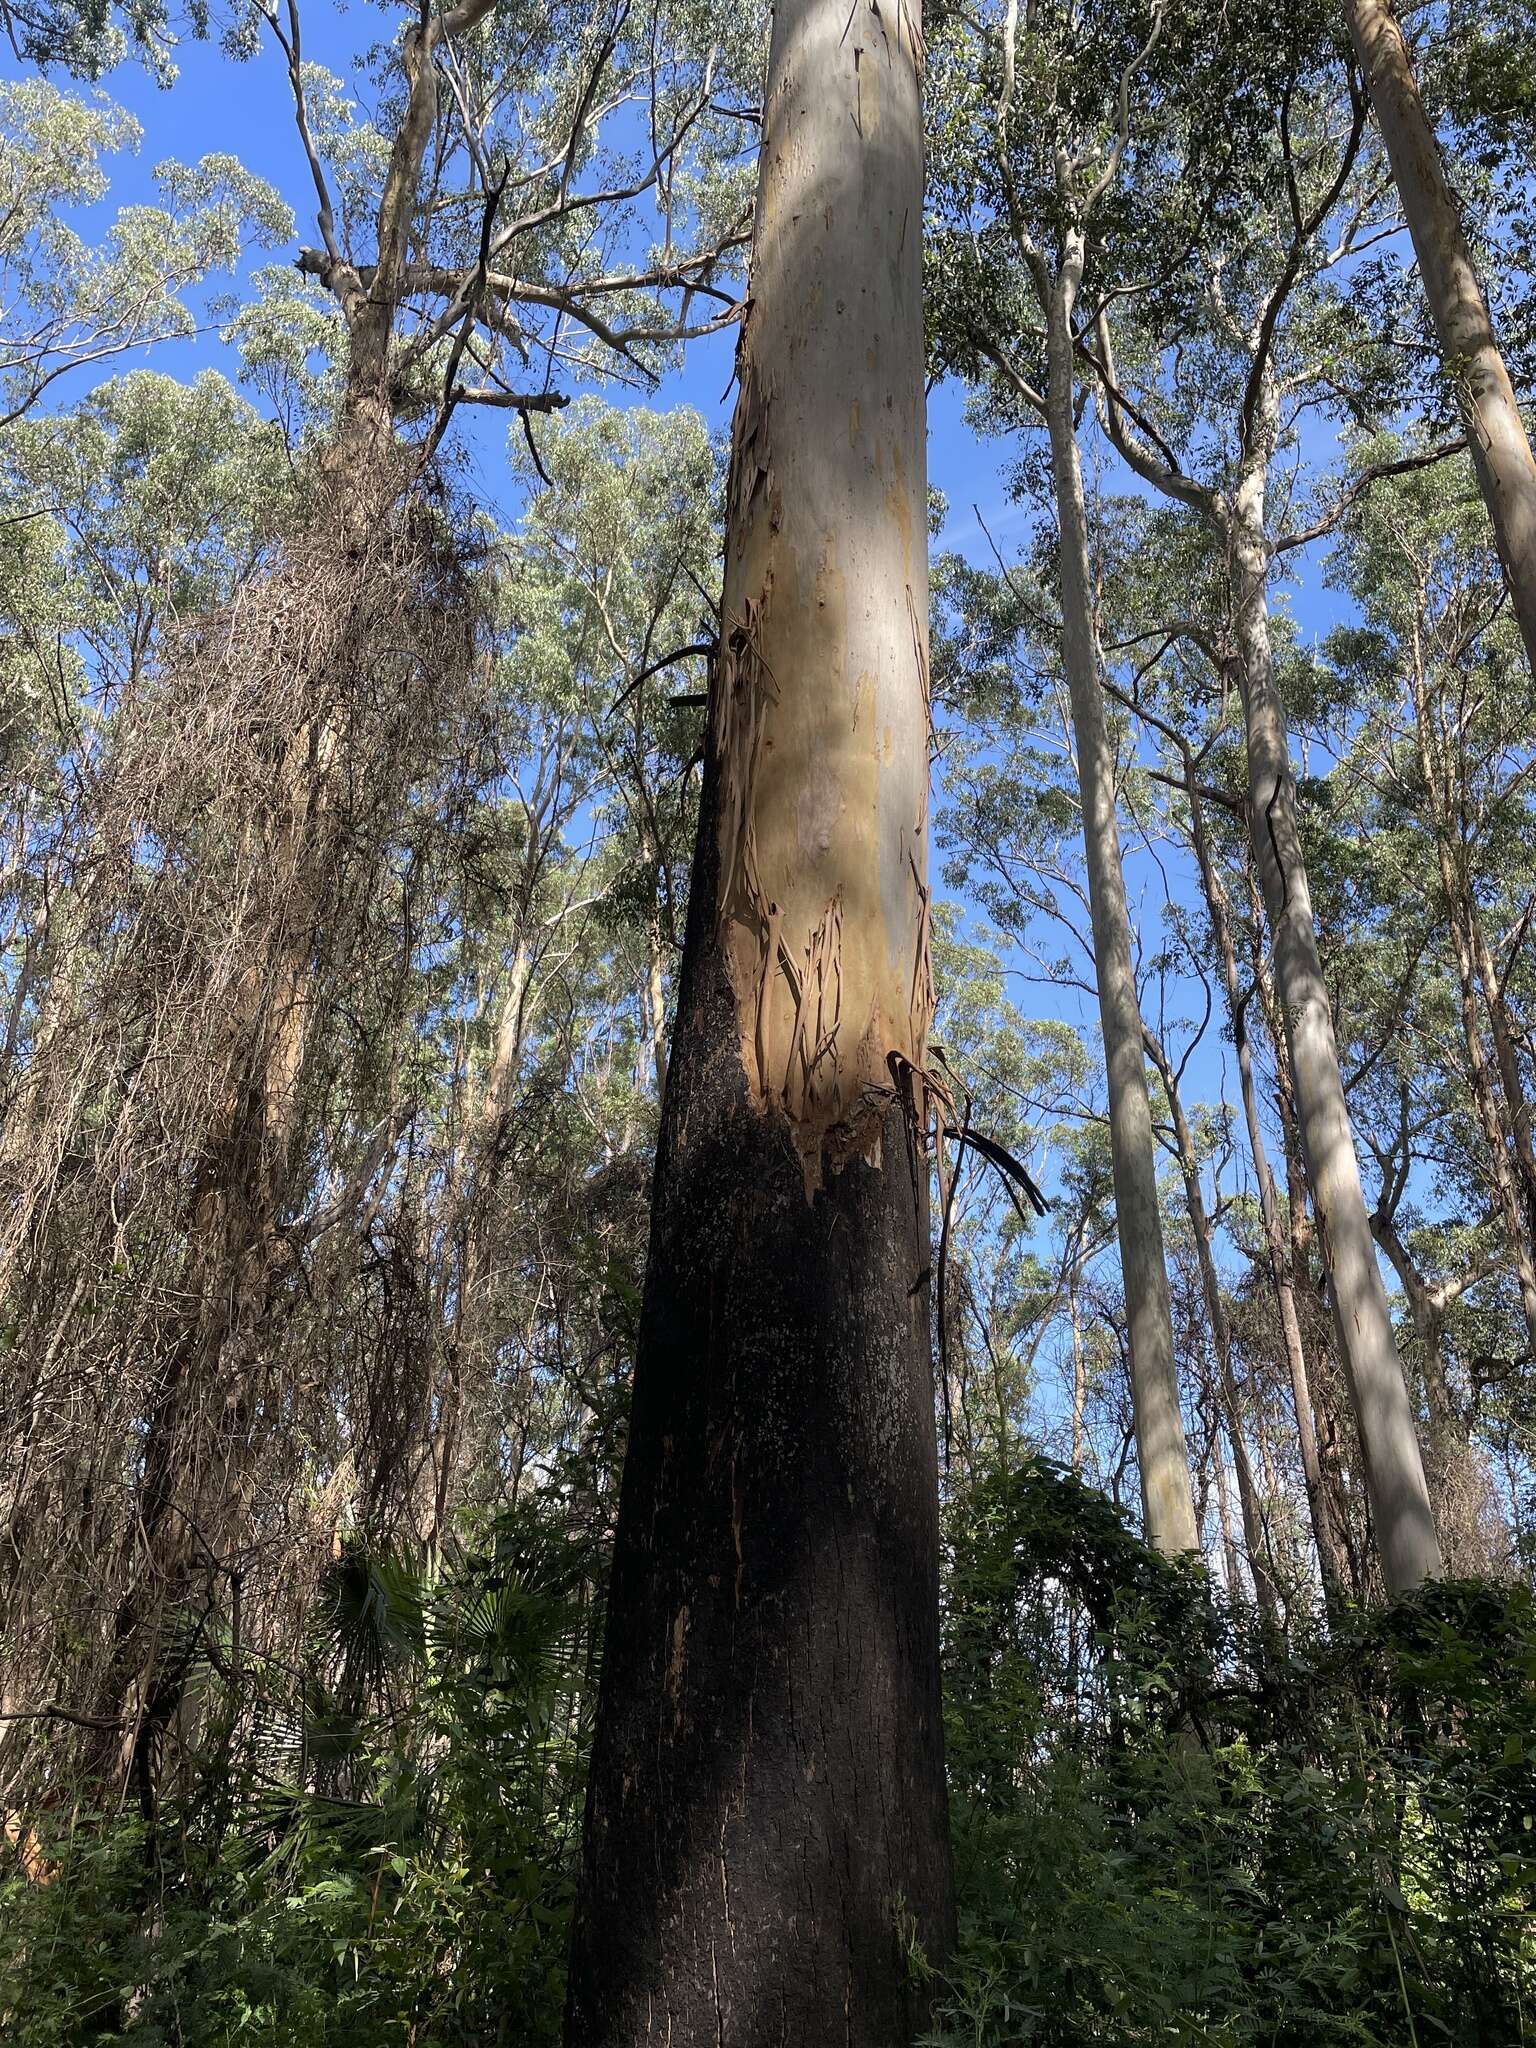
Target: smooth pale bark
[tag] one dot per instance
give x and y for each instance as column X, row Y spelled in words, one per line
column 1161, row 1453
column 1079, row 1375
column 1331, row 1563
column 766, row 1821
column 1255, row 1536
column 1308, row 1290
column 1055, row 267
column 1474, row 977
column 1384, row 1419
column 1457, row 1482
column 1501, row 448
column 1506, row 1055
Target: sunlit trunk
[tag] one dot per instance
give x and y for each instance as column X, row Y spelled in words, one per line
column 1331, row 1564
column 1163, row 1457
column 1079, row 1374
column 1255, row 1538
column 1394, row 1469
column 766, row 1819
column 1501, row 448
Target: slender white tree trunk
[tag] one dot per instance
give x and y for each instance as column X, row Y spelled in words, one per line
column 1331, row 1563
column 1260, row 1557
column 1394, row 1467
column 1079, row 1375
column 1167, row 1496
column 1501, row 448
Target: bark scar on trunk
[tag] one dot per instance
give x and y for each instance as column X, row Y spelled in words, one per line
column 822, row 913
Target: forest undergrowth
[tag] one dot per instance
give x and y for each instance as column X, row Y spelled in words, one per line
column 1170, row 1824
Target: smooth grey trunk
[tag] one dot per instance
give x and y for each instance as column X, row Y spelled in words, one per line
column 1389, row 1444
column 1506, row 1055
column 1453, row 1463
column 1330, row 1561
column 1501, row 448
column 1079, row 1374
column 1231, row 1557
column 511, row 1029
column 1167, row 1496
column 1255, row 1535
column 1308, row 1293
column 1475, row 976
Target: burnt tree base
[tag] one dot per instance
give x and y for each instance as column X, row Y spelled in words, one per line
column 767, row 1823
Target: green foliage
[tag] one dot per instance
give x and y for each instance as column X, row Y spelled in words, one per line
column 376, row 1848
column 1168, row 1826
column 89, row 37
column 74, row 298
column 1171, row 1829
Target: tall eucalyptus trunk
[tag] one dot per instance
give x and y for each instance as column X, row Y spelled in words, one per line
column 1261, row 1561
column 1503, row 1124
column 1162, row 1455
column 1332, row 1565
column 766, row 1824
column 1458, row 306
column 1384, row 1419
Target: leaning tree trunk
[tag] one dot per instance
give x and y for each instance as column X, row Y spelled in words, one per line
column 1384, row 1419
column 1167, row 1498
column 766, row 1823
column 1501, row 448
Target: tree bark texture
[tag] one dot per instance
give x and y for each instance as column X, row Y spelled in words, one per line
column 1330, row 1560
column 1501, row 448
column 767, row 1818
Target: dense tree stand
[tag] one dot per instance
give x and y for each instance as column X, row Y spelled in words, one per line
column 767, row 1816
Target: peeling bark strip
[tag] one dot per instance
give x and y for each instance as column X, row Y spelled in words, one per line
column 820, row 706
column 766, row 1824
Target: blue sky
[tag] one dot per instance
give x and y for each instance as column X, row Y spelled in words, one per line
column 244, row 108
column 219, row 104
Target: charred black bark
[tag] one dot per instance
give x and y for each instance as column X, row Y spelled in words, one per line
column 767, row 1817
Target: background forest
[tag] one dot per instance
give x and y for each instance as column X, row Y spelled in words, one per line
column 362, row 502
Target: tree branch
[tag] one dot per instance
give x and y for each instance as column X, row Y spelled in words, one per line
column 1362, row 483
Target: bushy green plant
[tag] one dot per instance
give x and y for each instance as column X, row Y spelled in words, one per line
column 375, row 1849
column 1170, row 1827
